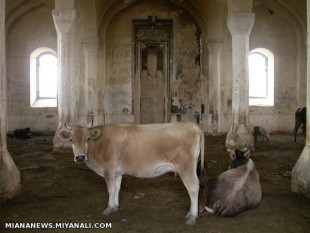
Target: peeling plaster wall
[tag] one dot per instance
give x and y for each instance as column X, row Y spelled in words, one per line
column 186, row 88
column 185, row 77
column 115, row 66
column 276, row 33
column 226, row 83
column 33, row 30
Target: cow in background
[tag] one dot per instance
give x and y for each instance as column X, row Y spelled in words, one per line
column 22, row 133
column 300, row 121
column 235, row 190
column 260, row 132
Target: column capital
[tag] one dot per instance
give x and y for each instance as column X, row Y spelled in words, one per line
column 214, row 47
column 91, row 45
column 64, row 19
column 214, row 40
column 240, row 23
column 239, row 5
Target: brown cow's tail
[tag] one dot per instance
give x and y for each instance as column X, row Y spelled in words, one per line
column 202, row 196
column 203, row 171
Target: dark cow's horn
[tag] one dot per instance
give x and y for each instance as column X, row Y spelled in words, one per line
column 247, row 154
column 232, row 154
column 91, row 124
column 67, row 126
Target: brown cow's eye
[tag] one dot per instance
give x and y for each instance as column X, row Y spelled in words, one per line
column 71, row 140
column 87, row 139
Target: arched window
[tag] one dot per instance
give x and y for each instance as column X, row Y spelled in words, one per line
column 261, row 77
column 43, row 78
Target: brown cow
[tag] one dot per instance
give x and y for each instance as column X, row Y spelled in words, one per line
column 142, row 151
column 233, row 191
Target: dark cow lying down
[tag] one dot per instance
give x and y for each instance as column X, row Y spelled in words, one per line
column 22, row 133
column 235, row 190
column 142, row 151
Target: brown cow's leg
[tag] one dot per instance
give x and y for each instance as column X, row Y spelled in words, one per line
column 111, row 185
column 191, row 183
column 118, row 181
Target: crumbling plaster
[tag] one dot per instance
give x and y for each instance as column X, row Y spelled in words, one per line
column 286, row 40
column 185, row 76
column 278, row 118
column 32, row 30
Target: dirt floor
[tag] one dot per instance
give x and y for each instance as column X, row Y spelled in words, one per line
column 57, row 190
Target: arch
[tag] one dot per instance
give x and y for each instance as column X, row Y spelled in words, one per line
column 24, row 8
column 117, row 5
column 300, row 32
column 120, row 25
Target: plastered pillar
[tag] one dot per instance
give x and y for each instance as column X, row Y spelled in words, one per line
column 301, row 171
column 240, row 26
column 9, row 174
column 64, row 20
column 214, row 51
column 91, row 46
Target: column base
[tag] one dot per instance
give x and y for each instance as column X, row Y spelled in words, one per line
column 60, row 145
column 9, row 176
column 239, row 137
column 300, row 182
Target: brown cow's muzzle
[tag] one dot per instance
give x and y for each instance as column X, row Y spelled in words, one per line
column 80, row 158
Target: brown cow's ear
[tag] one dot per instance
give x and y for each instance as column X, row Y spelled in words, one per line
column 64, row 134
column 94, row 133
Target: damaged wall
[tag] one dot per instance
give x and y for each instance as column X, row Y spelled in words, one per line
column 32, row 30
column 186, row 90
column 187, row 85
column 289, row 67
column 184, row 74
column 278, row 33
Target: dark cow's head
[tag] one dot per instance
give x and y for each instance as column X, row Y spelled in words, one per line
column 238, row 158
column 80, row 137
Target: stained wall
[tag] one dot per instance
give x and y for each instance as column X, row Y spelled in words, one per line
column 32, row 30
column 282, row 33
column 184, row 97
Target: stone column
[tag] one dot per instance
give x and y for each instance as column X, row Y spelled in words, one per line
column 214, row 51
column 64, row 20
column 301, row 171
column 91, row 46
column 9, row 174
column 239, row 135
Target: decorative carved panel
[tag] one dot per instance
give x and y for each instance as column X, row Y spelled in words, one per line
column 152, row 39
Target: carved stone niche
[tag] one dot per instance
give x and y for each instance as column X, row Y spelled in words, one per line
column 152, row 39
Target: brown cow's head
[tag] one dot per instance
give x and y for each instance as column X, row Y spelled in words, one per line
column 80, row 137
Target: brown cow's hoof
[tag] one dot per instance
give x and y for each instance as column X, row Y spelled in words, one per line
column 191, row 220
column 109, row 210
